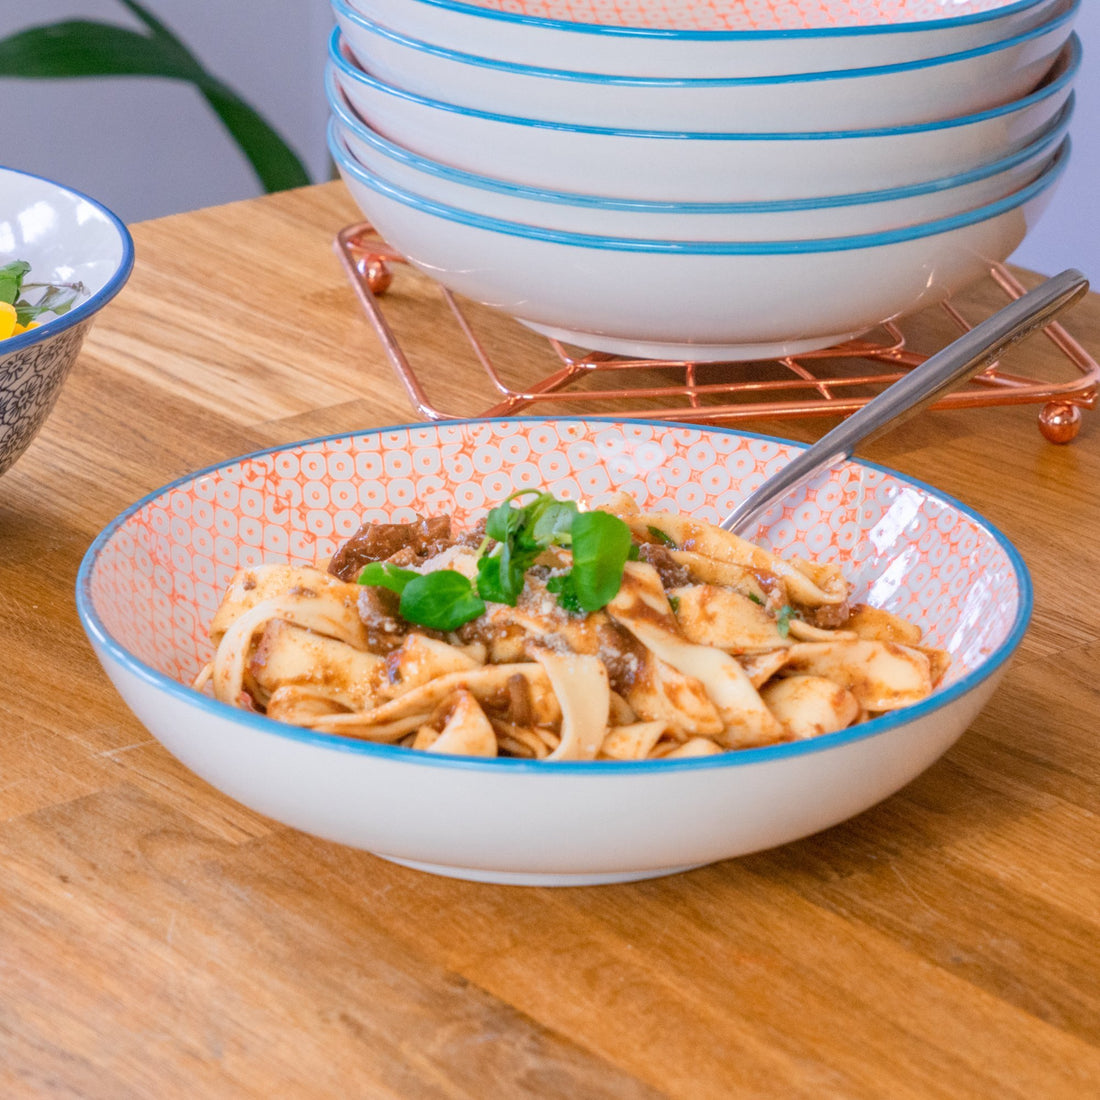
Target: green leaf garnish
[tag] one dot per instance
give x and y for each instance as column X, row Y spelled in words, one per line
column 503, row 521
column 674, row 603
column 384, row 575
column 601, row 544
column 55, row 299
column 755, row 598
column 443, row 600
column 551, row 521
column 488, row 581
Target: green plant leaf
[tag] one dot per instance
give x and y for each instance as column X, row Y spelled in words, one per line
column 83, row 48
column 86, row 48
column 273, row 161
column 277, row 166
column 150, row 20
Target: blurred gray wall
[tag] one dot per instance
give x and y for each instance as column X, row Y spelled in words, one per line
column 148, row 147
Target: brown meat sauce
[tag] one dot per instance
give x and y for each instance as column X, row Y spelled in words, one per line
column 671, row 572
column 415, row 542
column 410, row 544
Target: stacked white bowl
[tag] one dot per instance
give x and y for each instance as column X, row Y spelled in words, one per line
column 696, row 180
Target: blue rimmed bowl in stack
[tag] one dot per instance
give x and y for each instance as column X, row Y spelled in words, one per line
column 732, row 215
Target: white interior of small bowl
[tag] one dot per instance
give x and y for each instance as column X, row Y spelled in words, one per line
column 750, row 15
column 159, row 572
column 64, row 236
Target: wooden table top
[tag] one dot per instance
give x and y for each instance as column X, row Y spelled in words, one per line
column 159, row 940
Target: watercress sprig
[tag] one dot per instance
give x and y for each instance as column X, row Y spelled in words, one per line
column 601, row 546
column 515, row 536
column 443, row 600
column 521, row 535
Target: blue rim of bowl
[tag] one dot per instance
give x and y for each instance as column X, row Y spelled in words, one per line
column 82, row 311
column 1072, row 50
column 258, row 723
column 1053, row 133
column 1049, row 26
column 603, row 30
column 347, row 165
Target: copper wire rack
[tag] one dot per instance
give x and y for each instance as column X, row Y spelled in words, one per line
column 530, row 373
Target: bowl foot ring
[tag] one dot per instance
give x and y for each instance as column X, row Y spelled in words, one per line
column 540, row 878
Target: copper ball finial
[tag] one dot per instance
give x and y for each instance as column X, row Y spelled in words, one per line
column 1060, row 422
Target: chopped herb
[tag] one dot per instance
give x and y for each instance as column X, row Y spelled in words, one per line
column 661, row 537
column 755, row 598
column 562, row 587
column 783, row 620
column 674, row 603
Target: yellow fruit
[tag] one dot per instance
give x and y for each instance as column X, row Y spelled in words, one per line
column 7, row 319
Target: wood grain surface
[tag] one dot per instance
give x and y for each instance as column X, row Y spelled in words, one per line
column 159, row 940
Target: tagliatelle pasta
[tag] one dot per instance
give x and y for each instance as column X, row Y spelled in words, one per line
column 555, row 633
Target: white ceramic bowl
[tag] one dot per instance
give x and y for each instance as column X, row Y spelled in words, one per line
column 690, row 166
column 66, row 237
column 695, row 300
column 892, row 95
column 824, row 216
column 150, row 582
column 705, row 41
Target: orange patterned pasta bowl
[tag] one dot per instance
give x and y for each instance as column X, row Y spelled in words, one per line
column 699, row 39
column 751, row 15
column 153, row 583
column 864, row 96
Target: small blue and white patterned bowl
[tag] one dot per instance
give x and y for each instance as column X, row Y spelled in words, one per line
column 66, row 237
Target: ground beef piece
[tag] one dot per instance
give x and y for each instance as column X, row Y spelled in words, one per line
column 385, row 629
column 474, row 537
column 671, row 572
column 829, row 616
column 424, row 537
column 623, row 656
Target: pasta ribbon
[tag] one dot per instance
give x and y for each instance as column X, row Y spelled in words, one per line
column 708, row 644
